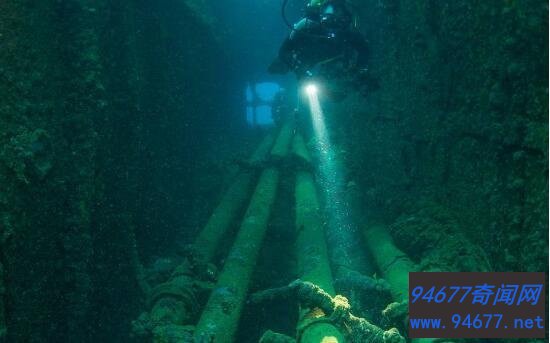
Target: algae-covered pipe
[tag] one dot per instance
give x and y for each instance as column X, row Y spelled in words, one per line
column 311, row 247
column 393, row 263
column 173, row 302
column 220, row 318
column 284, row 140
column 208, row 240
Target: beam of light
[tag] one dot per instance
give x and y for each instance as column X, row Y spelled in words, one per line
column 341, row 233
column 317, row 117
column 311, row 89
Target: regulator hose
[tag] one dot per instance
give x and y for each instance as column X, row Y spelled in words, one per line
column 283, row 14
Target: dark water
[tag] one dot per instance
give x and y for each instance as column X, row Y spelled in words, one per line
column 126, row 131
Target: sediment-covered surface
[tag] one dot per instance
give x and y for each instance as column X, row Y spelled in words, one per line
column 451, row 141
column 100, row 112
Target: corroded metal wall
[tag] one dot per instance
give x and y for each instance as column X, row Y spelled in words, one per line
column 101, row 114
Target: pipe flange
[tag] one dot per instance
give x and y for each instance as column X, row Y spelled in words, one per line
column 183, row 269
column 185, row 293
column 308, row 323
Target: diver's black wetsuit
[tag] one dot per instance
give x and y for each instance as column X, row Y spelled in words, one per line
column 319, row 39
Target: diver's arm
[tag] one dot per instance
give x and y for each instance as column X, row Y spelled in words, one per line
column 287, row 59
column 286, row 51
column 298, row 40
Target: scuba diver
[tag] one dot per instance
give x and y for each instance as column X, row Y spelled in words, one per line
column 325, row 45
